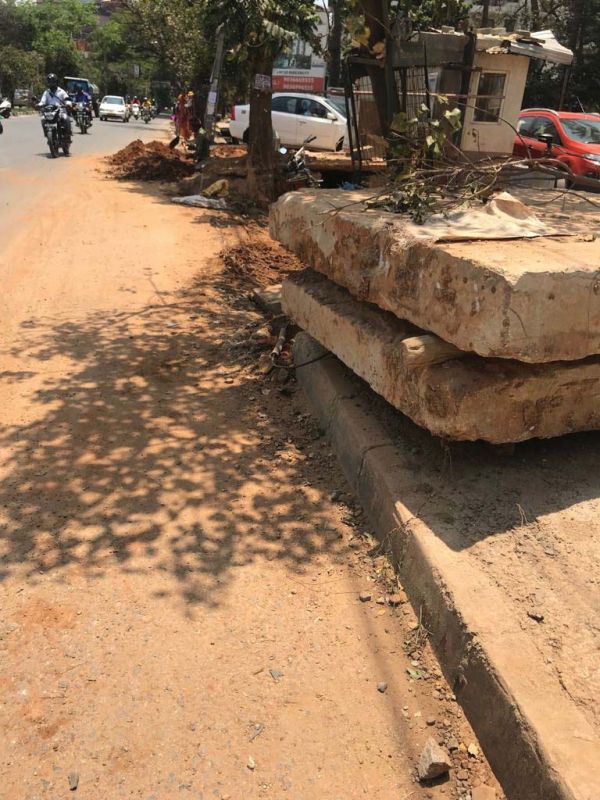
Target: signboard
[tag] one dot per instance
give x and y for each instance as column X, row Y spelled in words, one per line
column 262, row 83
column 298, row 69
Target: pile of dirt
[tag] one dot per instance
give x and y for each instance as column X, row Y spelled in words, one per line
column 229, row 151
column 153, row 161
column 260, row 262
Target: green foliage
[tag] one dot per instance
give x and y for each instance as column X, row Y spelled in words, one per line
column 19, row 69
column 175, row 33
column 56, row 26
column 433, row 13
column 264, row 24
column 418, row 143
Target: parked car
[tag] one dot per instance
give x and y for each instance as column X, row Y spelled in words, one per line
column 22, row 97
column 114, row 107
column 297, row 116
column 567, row 136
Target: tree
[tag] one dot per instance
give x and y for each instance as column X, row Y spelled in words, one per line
column 176, row 33
column 338, row 10
column 259, row 31
column 18, row 68
column 57, row 25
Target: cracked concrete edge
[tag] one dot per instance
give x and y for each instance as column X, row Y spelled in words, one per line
column 538, row 743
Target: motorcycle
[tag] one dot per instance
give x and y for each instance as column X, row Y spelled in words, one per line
column 83, row 116
column 135, row 110
column 146, row 115
column 5, row 107
column 56, row 130
column 298, row 174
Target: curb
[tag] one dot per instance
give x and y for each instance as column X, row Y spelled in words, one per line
column 536, row 741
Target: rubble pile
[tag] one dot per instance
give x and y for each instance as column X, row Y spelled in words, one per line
column 259, row 264
column 153, row 161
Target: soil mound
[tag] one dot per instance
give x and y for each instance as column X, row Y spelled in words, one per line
column 261, row 262
column 229, row 151
column 153, row 161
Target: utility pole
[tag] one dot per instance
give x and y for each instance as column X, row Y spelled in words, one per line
column 215, row 79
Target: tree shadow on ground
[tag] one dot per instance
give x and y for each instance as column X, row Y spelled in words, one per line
column 151, row 447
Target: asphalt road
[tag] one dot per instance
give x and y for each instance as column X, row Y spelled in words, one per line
column 27, row 172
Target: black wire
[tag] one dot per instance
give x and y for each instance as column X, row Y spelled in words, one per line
column 304, row 363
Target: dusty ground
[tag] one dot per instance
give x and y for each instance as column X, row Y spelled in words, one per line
column 180, row 562
column 529, row 520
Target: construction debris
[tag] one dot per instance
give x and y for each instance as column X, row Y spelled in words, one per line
column 434, row 762
column 153, row 161
column 491, row 340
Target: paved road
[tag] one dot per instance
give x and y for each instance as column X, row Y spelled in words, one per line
column 27, row 172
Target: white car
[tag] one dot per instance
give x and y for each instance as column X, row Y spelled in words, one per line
column 113, row 107
column 297, row 116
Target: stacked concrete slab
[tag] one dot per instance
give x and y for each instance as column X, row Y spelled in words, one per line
column 492, row 340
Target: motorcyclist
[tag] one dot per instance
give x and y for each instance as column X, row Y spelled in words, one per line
column 81, row 96
column 147, row 103
column 55, row 96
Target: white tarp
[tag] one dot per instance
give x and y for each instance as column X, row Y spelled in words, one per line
column 504, row 217
column 549, row 48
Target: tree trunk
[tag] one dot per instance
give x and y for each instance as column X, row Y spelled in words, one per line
column 535, row 15
column 375, row 13
column 334, row 43
column 485, row 13
column 261, row 173
column 577, row 14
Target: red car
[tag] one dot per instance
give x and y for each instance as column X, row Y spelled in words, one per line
column 575, row 138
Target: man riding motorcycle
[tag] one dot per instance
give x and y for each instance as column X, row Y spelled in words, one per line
column 55, row 96
column 81, row 96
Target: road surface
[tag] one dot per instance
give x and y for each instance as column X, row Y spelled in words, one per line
column 27, row 173
column 180, row 561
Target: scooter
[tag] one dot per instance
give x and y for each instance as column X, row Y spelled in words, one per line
column 135, row 110
column 5, row 107
column 298, row 174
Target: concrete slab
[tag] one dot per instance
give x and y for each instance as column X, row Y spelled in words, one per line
column 269, row 299
column 534, row 300
column 536, row 730
column 464, row 398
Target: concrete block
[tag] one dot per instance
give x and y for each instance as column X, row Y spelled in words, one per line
column 464, row 398
column 534, row 300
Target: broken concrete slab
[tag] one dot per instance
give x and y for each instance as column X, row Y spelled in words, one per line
column 537, row 739
column 465, row 398
column 269, row 299
column 534, row 300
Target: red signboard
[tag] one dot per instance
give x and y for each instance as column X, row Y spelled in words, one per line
column 298, row 83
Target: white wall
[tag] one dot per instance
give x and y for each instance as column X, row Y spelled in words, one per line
column 495, row 138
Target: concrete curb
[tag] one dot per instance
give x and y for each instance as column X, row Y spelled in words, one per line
column 537, row 742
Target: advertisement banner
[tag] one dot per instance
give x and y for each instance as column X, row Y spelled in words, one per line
column 298, row 68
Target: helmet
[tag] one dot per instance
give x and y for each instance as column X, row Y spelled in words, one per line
column 190, row 94
column 52, row 81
